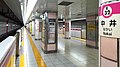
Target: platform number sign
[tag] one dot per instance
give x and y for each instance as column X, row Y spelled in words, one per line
column 109, row 20
column 107, row 11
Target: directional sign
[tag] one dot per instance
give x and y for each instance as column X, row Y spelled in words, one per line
column 109, row 20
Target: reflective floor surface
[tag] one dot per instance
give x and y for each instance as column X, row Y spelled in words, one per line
column 77, row 52
column 71, row 53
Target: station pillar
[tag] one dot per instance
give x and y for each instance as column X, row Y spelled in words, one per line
column 67, row 22
column 109, row 34
column 49, row 32
column 30, row 26
column 38, row 27
column 33, row 26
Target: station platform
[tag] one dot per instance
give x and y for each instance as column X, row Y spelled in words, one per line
column 71, row 53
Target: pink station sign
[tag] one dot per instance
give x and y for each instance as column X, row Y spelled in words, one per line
column 109, row 19
column 108, row 10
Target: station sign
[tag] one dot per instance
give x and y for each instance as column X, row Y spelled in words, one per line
column 109, row 20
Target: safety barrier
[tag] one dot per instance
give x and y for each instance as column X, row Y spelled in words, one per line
column 76, row 32
column 7, row 52
column 9, row 49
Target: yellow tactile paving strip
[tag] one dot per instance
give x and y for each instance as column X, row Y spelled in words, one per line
column 22, row 63
column 61, row 35
column 78, row 39
column 22, row 59
column 73, row 37
column 37, row 55
column 22, row 43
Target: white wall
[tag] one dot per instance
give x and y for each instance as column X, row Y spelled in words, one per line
column 29, row 9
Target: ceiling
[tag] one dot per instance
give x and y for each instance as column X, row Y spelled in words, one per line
column 14, row 5
column 77, row 8
column 46, row 5
column 10, row 9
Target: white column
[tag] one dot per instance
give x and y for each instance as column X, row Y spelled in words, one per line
column 67, row 23
column 37, row 27
column 70, row 22
column 33, row 27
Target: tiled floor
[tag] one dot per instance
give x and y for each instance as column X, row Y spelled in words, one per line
column 30, row 57
column 71, row 53
column 54, row 59
column 78, row 53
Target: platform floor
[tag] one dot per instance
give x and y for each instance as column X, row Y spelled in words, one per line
column 71, row 53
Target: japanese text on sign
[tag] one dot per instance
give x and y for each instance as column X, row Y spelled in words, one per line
column 109, row 19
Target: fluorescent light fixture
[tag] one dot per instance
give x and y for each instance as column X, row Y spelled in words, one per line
column 61, row 16
column 41, row 16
